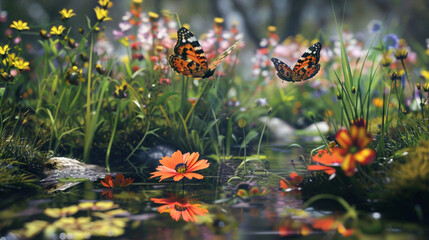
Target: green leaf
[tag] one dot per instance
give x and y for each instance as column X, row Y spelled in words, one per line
column 164, row 97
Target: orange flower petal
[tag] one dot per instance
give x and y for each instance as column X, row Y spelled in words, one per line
column 293, row 174
column 120, row 177
column 344, row 231
column 325, row 224
column 192, row 158
column 364, row 138
column 325, row 158
column 354, row 132
column 201, row 164
column 178, row 177
column 365, row 156
column 326, row 169
column 349, row 165
column 187, row 216
column 172, row 161
column 343, row 138
column 283, row 184
column 175, row 214
column 195, row 175
column 297, row 179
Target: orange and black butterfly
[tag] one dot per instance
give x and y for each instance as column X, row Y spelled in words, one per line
column 305, row 68
column 189, row 58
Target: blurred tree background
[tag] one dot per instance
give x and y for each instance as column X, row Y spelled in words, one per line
column 311, row 18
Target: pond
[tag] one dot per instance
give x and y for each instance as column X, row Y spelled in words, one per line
column 216, row 207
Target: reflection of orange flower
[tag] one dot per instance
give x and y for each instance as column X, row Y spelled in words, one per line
column 292, row 227
column 107, row 193
column 180, row 208
column 118, row 181
column 180, row 165
column 329, row 223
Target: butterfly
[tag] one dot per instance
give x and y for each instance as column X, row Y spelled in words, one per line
column 305, row 68
column 189, row 58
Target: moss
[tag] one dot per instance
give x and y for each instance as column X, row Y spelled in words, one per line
column 407, row 190
column 413, row 174
column 20, row 162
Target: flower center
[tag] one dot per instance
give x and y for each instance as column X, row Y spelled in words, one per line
column 353, row 149
column 180, row 208
column 181, row 168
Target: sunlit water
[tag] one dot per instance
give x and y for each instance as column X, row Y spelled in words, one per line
column 89, row 210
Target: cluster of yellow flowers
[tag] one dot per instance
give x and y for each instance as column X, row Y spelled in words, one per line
column 102, row 11
column 11, row 61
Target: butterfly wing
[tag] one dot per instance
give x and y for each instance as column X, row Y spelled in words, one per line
column 221, row 57
column 283, row 70
column 308, row 64
column 188, row 57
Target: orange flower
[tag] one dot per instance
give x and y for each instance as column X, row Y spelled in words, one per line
column 378, row 102
column 292, row 182
column 353, row 146
column 118, row 181
column 180, row 208
column 324, row 157
column 179, row 166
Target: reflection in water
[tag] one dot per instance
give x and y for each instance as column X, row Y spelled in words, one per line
column 80, row 221
column 180, row 207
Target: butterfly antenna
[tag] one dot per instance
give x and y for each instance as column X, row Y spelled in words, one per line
column 177, row 19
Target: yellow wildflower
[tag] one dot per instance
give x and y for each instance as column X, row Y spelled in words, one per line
column 386, row 60
column 218, row 20
column 10, row 59
column 73, row 75
column 426, row 87
column 137, row 1
column 272, row 29
column 401, row 53
column 153, row 16
column 20, row 25
column 100, row 69
column 423, row 73
column 57, row 30
column 66, row 14
column 21, row 64
column 378, row 102
column 4, row 50
column 121, row 91
column 102, row 14
column 105, row 3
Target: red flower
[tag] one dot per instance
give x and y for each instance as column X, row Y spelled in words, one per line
column 118, row 181
column 107, row 193
column 353, row 147
column 165, row 81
